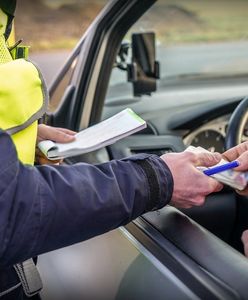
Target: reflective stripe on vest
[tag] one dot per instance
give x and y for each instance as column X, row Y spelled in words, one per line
column 23, row 100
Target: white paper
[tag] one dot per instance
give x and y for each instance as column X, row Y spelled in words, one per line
column 100, row 135
column 235, row 179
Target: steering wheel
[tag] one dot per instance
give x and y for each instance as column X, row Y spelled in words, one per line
column 236, row 125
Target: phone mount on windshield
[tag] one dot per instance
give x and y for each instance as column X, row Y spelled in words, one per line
column 143, row 71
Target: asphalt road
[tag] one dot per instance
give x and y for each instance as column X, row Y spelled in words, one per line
column 50, row 63
column 202, row 58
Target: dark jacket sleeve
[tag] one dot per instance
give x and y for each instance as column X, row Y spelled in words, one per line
column 47, row 207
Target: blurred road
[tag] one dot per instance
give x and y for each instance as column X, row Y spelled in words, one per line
column 222, row 58
column 50, row 62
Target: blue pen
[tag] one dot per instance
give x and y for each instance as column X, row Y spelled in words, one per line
column 221, row 168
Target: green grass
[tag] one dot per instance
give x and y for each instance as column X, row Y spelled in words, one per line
column 220, row 20
column 43, row 45
column 174, row 21
column 192, row 21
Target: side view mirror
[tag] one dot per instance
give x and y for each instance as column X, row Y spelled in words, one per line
column 143, row 71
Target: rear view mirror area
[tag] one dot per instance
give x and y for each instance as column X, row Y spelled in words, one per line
column 143, row 72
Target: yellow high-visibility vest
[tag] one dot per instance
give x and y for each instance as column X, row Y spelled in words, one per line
column 23, row 99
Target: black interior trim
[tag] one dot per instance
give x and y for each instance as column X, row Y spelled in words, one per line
column 220, row 206
column 145, row 143
column 200, row 246
column 205, row 112
column 185, row 269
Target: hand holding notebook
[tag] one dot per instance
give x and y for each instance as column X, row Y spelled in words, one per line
column 100, row 135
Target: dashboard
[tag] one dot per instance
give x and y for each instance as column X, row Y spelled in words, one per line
column 211, row 135
column 198, row 114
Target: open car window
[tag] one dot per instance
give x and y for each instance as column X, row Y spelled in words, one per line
column 201, row 49
column 195, row 42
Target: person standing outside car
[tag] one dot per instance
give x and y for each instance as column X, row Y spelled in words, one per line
column 240, row 153
column 22, row 103
column 90, row 199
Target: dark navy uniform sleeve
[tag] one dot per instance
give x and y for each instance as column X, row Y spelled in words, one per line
column 48, row 207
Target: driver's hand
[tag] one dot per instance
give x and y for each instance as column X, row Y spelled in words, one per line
column 244, row 239
column 239, row 153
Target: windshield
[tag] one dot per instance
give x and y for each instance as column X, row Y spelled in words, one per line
column 194, row 40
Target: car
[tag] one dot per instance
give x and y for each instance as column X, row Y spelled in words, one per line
column 182, row 66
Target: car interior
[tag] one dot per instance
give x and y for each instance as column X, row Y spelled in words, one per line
column 122, row 61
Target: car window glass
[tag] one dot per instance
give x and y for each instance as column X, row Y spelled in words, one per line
column 194, row 40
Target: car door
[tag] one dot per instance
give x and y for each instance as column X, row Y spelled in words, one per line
column 163, row 254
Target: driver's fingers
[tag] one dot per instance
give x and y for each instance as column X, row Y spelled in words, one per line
column 243, row 162
column 243, row 192
column 244, row 239
column 236, row 152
